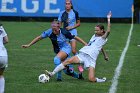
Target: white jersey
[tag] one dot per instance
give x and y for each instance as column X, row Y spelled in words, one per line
column 3, row 51
column 94, row 46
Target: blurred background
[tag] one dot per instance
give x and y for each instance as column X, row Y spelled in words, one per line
column 89, row 11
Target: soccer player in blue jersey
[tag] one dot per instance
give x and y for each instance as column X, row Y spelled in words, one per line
column 62, row 48
column 89, row 54
column 70, row 20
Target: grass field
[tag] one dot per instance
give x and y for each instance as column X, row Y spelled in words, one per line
column 25, row 65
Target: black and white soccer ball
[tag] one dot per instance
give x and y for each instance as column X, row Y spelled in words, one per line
column 43, row 78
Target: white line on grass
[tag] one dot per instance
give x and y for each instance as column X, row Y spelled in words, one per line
column 113, row 87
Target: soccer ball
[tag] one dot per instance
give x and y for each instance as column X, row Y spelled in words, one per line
column 43, row 78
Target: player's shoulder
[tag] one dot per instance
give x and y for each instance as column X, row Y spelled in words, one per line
column 48, row 31
column 74, row 11
column 62, row 11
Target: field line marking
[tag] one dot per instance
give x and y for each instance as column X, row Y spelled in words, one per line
column 117, row 73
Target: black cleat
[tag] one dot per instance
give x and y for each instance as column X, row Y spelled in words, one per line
column 81, row 76
column 58, row 79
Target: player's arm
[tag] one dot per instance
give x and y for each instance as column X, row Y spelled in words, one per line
column 108, row 26
column 80, row 40
column 105, row 54
column 75, row 26
column 38, row 38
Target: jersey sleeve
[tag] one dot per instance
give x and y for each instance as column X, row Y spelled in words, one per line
column 59, row 17
column 77, row 15
column 46, row 33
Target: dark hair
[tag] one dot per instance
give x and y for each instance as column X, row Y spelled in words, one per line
column 71, row 3
column 101, row 27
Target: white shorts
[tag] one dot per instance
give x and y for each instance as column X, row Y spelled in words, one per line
column 3, row 61
column 86, row 60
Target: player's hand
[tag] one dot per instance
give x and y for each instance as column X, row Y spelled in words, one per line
column 25, row 46
column 109, row 15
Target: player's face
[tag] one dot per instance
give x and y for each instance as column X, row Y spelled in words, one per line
column 68, row 5
column 98, row 31
column 56, row 29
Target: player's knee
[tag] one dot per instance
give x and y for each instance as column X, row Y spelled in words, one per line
column 57, row 60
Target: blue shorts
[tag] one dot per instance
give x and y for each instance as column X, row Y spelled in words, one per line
column 73, row 32
column 66, row 49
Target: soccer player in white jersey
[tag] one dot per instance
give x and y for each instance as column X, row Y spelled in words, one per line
column 3, row 56
column 88, row 54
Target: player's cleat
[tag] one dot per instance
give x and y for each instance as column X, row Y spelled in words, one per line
column 101, row 80
column 48, row 73
column 59, row 79
column 81, row 76
column 80, row 68
column 104, row 78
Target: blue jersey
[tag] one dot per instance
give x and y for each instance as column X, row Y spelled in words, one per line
column 59, row 41
column 69, row 19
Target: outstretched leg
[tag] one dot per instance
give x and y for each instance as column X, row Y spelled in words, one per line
column 74, row 51
column 60, row 67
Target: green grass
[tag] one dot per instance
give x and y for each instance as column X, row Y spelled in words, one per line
column 25, row 65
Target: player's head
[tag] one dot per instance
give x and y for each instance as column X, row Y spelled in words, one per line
column 99, row 29
column 68, row 4
column 55, row 26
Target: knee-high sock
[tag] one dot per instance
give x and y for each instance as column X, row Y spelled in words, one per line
column 2, row 84
column 58, row 68
column 57, row 61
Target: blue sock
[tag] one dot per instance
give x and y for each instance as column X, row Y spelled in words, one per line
column 57, row 61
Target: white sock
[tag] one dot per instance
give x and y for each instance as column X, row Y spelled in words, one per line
column 2, row 84
column 58, row 68
column 100, row 80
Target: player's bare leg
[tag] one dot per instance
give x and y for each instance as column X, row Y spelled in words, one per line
column 91, row 76
column 60, row 67
column 73, row 44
